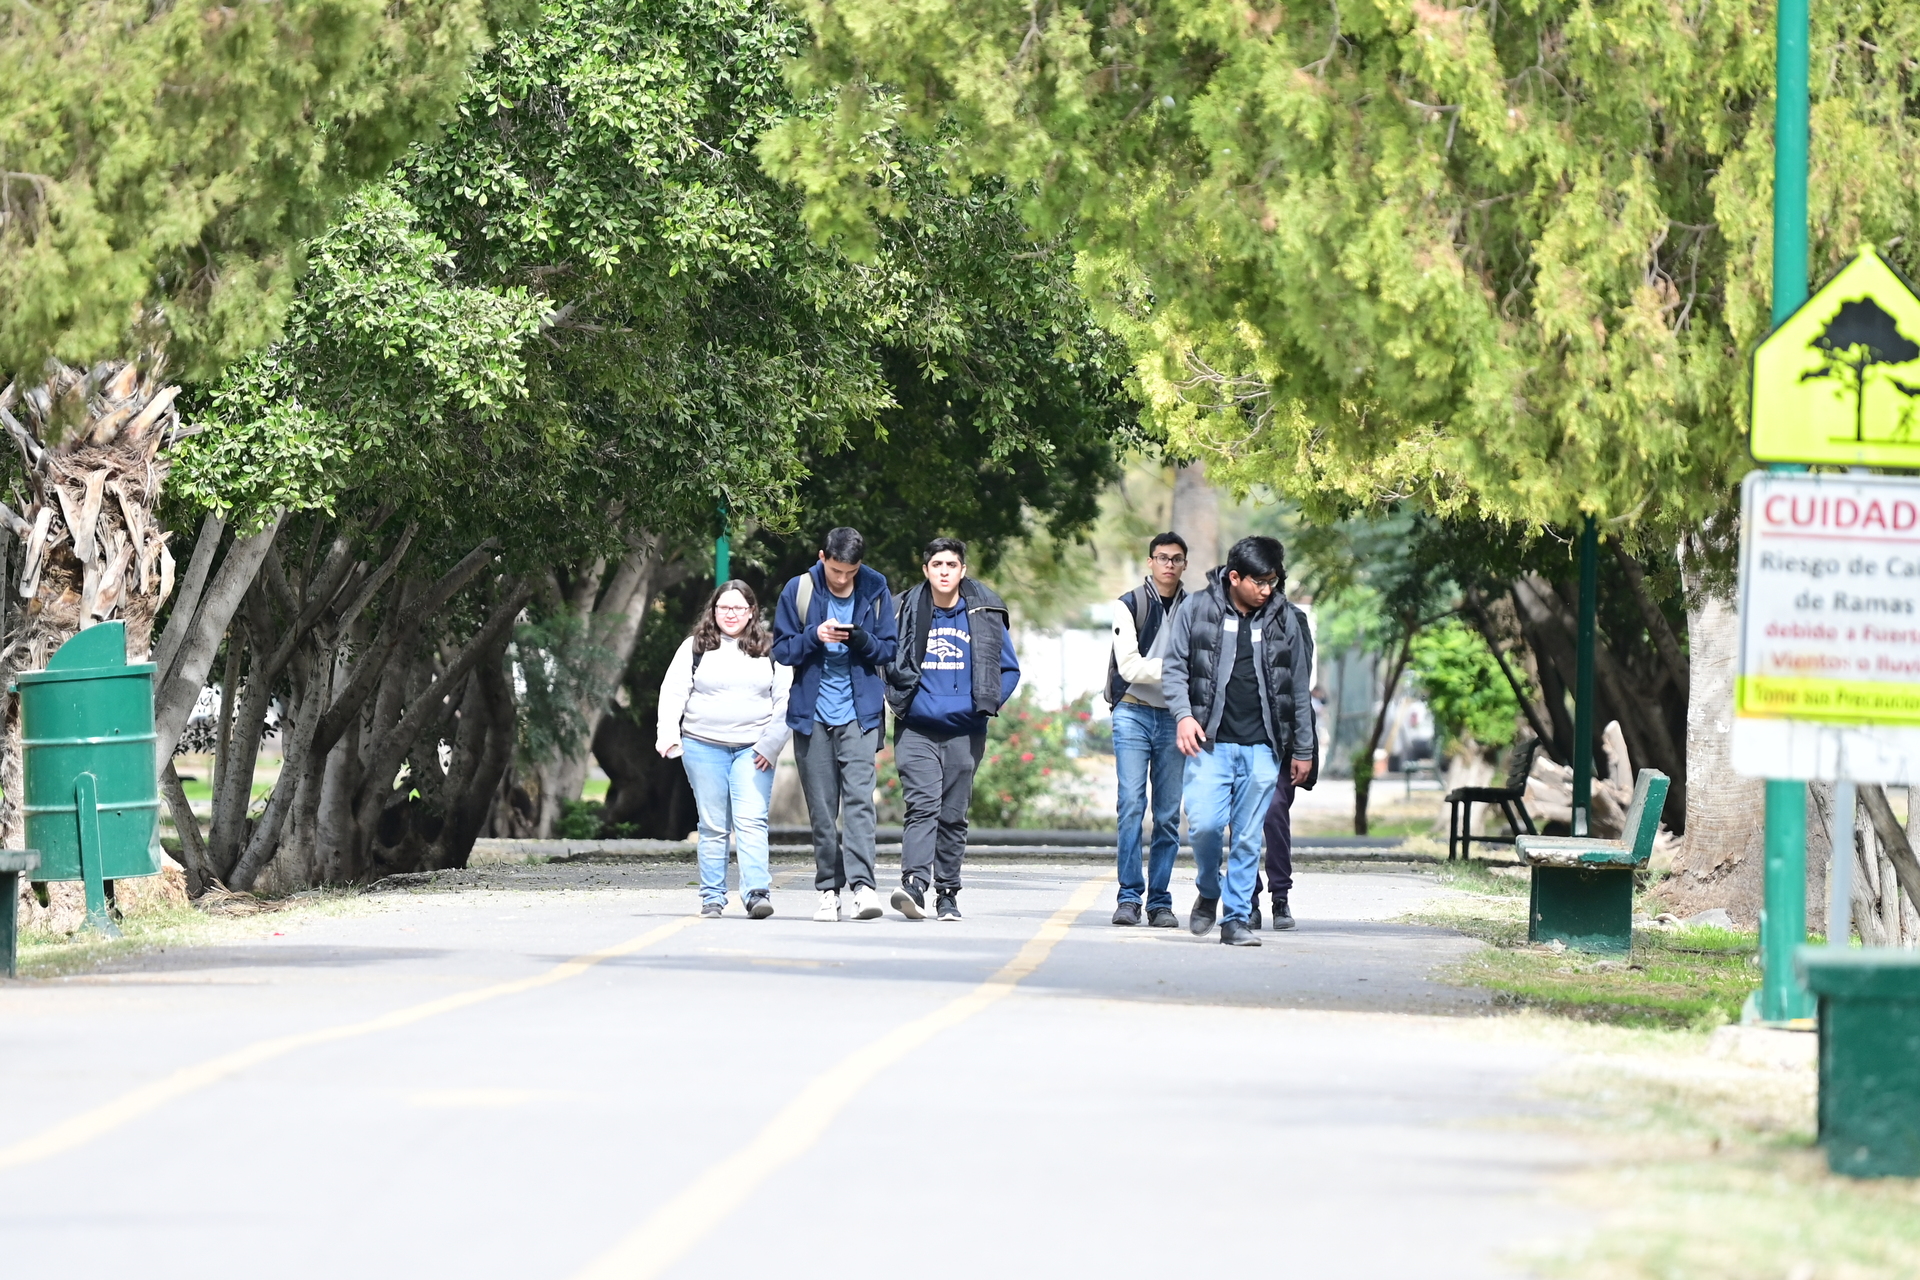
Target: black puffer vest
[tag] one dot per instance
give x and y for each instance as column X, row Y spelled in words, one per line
column 987, row 621
column 1277, row 643
column 1143, row 606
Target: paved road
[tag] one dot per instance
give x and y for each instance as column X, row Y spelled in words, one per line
column 555, row 1072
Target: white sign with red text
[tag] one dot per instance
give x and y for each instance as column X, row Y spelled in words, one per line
column 1829, row 678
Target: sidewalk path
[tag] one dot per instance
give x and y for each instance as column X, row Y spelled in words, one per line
column 553, row 1073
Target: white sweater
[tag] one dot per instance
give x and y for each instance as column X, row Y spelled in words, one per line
column 731, row 699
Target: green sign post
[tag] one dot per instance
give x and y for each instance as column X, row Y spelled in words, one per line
column 1783, row 918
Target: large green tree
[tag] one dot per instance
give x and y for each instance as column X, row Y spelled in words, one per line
column 161, row 163
column 525, row 372
column 1507, row 257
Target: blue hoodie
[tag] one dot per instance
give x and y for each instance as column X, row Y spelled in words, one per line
column 796, row 643
column 943, row 704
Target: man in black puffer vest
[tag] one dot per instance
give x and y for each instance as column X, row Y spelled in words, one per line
column 1236, row 676
column 953, row 669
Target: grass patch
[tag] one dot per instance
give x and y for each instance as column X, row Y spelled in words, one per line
column 1709, row 1170
column 156, row 928
column 1695, row 977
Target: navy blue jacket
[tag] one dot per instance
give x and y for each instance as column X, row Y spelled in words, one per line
column 796, row 643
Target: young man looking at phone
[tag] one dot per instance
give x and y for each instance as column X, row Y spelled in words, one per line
column 833, row 626
column 955, row 668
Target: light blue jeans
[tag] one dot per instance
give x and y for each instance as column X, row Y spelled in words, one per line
column 1229, row 785
column 1144, row 752
column 732, row 796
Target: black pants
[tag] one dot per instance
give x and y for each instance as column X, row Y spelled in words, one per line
column 1278, row 830
column 936, row 777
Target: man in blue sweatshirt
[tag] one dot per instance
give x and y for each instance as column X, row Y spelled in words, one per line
column 954, row 667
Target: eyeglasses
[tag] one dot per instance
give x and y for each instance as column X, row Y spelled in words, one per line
column 733, row 608
column 1169, row 560
column 1265, row 584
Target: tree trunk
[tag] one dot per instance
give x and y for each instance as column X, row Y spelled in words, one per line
column 598, row 622
column 1722, row 859
column 1196, row 517
column 1363, row 758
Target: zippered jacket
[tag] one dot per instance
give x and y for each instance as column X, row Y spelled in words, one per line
column 1142, row 613
column 1196, row 685
column 994, row 670
column 796, row 643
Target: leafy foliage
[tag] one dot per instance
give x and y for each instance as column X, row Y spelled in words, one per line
column 159, row 164
column 1468, row 696
column 1506, row 259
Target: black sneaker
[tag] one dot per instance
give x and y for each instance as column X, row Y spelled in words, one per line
column 1282, row 917
column 910, row 900
column 1234, row 933
column 1162, row 918
column 1127, row 913
column 713, row 908
column 759, row 904
column 1205, row 912
column 944, row 906
column 1253, row 917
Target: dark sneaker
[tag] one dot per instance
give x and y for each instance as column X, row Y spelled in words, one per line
column 910, row 900
column 1127, row 913
column 1162, row 918
column 759, row 904
column 713, row 908
column 1234, row 933
column 1205, row 912
column 1282, row 917
column 1253, row 917
column 945, row 907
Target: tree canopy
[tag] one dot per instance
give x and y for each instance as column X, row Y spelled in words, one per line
column 161, row 163
column 1501, row 258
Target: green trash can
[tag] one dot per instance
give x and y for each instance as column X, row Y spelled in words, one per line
column 1869, row 1058
column 92, row 791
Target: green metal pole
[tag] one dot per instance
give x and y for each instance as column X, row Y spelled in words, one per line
column 1790, row 115
column 1583, row 677
column 722, row 551
column 1783, row 920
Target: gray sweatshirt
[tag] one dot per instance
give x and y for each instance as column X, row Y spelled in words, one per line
column 732, row 699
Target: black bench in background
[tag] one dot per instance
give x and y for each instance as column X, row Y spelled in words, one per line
column 1460, row 802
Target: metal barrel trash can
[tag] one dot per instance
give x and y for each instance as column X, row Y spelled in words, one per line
column 1869, row 1058
column 92, row 791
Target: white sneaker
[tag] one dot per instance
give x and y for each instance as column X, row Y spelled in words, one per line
column 829, row 908
column 866, row 903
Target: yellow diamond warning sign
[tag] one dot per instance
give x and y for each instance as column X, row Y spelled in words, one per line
column 1839, row 381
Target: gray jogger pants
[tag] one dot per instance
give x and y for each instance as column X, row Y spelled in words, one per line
column 936, row 777
column 837, row 777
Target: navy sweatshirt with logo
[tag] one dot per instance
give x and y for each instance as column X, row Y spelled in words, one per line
column 943, row 704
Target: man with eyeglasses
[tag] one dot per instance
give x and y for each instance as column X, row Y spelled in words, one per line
column 1236, row 676
column 1145, row 754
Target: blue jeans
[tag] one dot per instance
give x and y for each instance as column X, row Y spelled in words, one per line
column 1143, row 751
column 1229, row 785
column 732, row 796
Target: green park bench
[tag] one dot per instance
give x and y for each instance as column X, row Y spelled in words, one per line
column 13, row 862
column 1583, row 886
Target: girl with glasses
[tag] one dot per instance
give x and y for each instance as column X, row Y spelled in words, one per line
column 723, row 713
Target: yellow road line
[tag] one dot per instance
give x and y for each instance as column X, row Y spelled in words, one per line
column 681, row 1223
column 88, row 1125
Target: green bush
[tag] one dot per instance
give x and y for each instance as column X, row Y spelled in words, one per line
column 1026, row 760
column 582, row 820
column 1463, row 685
